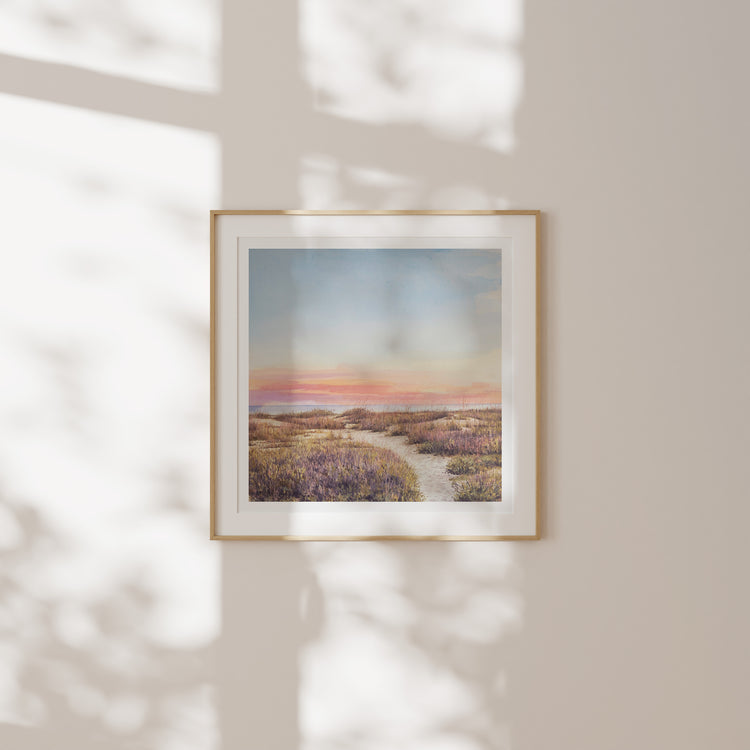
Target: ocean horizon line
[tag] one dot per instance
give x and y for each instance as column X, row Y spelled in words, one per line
column 339, row 408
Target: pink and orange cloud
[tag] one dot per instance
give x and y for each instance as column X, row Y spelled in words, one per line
column 278, row 387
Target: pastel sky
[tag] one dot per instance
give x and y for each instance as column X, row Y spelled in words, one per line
column 381, row 326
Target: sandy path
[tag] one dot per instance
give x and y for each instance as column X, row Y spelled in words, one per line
column 430, row 470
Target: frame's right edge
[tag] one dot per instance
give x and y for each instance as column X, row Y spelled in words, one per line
column 538, row 372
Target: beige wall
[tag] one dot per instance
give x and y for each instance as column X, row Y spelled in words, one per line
column 625, row 627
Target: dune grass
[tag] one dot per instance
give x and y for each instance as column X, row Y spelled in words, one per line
column 461, row 465
column 480, row 488
column 471, row 437
column 443, row 433
column 261, row 430
column 292, row 459
column 329, row 470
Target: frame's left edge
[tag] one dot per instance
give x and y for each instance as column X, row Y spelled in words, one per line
column 212, row 378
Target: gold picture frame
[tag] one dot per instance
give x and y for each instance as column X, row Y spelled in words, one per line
column 225, row 522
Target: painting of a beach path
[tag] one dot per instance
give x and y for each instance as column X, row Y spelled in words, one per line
column 375, row 375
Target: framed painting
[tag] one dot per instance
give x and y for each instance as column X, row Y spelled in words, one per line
column 374, row 375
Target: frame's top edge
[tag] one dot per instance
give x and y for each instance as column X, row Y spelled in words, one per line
column 355, row 212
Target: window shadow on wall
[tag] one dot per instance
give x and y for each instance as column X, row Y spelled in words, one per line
column 300, row 645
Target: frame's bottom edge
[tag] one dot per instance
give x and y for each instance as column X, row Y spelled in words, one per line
column 295, row 538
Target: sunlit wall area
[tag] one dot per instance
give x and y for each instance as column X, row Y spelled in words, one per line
column 110, row 603
column 411, row 647
column 409, row 93
column 171, row 42
column 451, row 68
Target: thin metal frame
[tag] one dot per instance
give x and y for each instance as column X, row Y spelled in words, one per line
column 213, row 437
